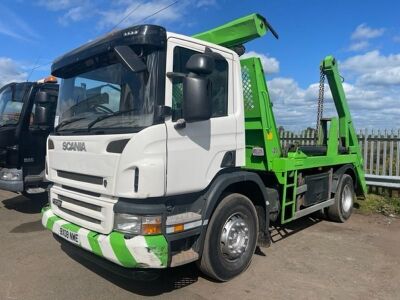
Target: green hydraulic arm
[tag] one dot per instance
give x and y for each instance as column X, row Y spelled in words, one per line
column 347, row 133
column 237, row 32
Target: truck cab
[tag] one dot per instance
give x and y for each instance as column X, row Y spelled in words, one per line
column 27, row 111
column 166, row 151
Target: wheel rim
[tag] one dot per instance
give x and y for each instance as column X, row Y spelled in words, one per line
column 235, row 235
column 347, row 198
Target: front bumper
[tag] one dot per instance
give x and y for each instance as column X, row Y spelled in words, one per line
column 13, row 185
column 135, row 252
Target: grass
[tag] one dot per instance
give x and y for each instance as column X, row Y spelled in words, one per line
column 388, row 206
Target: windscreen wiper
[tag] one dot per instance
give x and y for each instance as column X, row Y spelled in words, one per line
column 101, row 118
column 66, row 122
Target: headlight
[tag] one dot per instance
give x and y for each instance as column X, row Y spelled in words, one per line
column 10, row 175
column 141, row 225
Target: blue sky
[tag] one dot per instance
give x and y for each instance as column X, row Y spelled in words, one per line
column 363, row 35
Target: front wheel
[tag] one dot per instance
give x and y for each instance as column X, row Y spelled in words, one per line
column 342, row 209
column 231, row 238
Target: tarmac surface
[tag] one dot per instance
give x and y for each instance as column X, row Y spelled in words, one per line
column 309, row 259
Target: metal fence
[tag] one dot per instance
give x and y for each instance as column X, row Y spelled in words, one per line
column 380, row 149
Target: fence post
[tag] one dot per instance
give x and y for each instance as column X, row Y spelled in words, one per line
column 391, row 154
column 365, row 148
column 378, row 154
column 371, row 155
column 384, row 154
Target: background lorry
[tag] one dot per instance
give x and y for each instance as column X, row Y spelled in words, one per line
column 27, row 111
column 167, row 152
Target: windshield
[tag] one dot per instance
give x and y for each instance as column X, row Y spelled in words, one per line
column 11, row 103
column 108, row 97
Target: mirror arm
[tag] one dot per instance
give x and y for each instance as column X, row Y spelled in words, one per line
column 176, row 75
column 180, row 124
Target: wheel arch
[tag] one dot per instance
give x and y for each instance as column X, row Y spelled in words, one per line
column 337, row 174
column 250, row 185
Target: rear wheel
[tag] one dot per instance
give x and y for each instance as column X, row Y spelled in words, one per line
column 342, row 209
column 231, row 238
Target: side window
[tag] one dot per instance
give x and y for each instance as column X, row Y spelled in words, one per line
column 219, row 79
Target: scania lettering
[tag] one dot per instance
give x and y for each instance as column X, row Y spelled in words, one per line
column 27, row 111
column 74, row 146
column 183, row 160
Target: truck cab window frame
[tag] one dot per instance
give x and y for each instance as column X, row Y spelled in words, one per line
column 219, row 79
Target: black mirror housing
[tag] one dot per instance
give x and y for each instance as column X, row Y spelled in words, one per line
column 42, row 115
column 42, row 97
column 200, row 64
column 45, row 103
column 196, row 99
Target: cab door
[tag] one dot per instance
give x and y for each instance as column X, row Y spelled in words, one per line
column 34, row 137
column 195, row 151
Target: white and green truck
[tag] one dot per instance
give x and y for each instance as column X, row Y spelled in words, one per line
column 165, row 152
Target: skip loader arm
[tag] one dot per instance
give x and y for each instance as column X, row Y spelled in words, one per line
column 347, row 133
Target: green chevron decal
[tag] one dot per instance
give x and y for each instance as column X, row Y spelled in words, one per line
column 135, row 252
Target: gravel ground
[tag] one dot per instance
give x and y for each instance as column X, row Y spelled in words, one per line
column 309, row 259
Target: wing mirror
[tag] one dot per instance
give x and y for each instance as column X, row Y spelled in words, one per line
column 43, row 97
column 45, row 104
column 197, row 89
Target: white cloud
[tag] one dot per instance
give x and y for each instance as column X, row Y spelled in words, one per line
column 364, row 32
column 206, row 3
column 142, row 11
column 386, row 76
column 374, row 68
column 71, row 10
column 371, row 106
column 57, row 5
column 130, row 11
column 270, row 64
column 10, row 71
column 285, row 90
column 358, row 46
column 4, row 29
column 361, row 35
column 74, row 14
column 396, row 39
column 13, row 26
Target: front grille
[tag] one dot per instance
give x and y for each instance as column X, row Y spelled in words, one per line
column 80, row 177
column 79, row 203
column 93, row 213
column 80, row 191
column 81, row 216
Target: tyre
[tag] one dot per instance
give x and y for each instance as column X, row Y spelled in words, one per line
column 231, row 238
column 342, row 209
column 36, row 196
